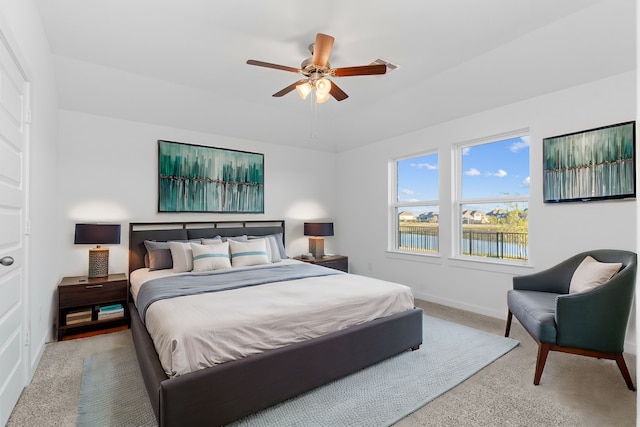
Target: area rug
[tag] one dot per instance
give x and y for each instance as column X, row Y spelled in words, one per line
column 112, row 391
column 113, row 394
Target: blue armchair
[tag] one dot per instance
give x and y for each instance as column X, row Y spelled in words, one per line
column 589, row 323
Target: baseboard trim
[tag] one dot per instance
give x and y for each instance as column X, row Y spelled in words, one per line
column 462, row 306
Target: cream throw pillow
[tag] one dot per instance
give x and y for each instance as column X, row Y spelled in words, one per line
column 591, row 274
column 182, row 256
column 273, row 253
column 210, row 257
column 253, row 252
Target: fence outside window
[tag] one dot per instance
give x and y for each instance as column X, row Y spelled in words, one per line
column 485, row 243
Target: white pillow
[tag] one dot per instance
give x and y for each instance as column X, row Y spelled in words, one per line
column 182, row 256
column 210, row 257
column 253, row 252
column 591, row 274
column 273, row 253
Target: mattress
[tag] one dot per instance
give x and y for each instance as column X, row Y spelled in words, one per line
column 199, row 331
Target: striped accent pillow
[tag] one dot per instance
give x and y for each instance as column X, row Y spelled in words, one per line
column 210, row 257
column 273, row 253
column 253, row 252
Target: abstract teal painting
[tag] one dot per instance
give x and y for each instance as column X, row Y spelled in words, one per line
column 197, row 178
column 595, row 164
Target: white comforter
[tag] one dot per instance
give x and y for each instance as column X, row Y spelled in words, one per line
column 199, row 331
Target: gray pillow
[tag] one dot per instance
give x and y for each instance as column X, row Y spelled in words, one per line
column 283, row 253
column 242, row 238
column 159, row 255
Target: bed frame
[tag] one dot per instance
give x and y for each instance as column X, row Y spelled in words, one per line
column 224, row 393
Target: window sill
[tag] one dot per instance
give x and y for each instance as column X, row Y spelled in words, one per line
column 414, row 257
column 496, row 266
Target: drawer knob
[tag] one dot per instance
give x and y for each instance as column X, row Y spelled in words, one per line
column 6, row 261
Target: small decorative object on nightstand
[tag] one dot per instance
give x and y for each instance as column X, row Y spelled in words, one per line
column 338, row 262
column 86, row 304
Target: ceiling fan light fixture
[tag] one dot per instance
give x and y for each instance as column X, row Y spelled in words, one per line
column 321, row 97
column 323, row 87
column 304, row 89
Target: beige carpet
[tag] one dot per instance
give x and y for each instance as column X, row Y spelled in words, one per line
column 578, row 390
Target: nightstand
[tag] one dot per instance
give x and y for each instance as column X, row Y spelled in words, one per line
column 338, row 262
column 80, row 300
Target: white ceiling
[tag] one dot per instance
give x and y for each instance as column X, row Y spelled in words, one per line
column 182, row 63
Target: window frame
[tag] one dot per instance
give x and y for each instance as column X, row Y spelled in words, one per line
column 458, row 202
column 396, row 206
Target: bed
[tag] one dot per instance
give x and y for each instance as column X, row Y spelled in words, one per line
column 231, row 389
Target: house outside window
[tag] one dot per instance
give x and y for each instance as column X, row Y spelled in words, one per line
column 414, row 208
column 492, row 199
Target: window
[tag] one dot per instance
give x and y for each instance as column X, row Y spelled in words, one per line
column 414, row 206
column 493, row 198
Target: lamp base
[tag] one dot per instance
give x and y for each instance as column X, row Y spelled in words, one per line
column 98, row 262
column 316, row 246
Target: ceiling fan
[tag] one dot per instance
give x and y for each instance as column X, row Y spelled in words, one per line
column 316, row 70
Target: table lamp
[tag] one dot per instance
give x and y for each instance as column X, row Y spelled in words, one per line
column 97, row 234
column 317, row 230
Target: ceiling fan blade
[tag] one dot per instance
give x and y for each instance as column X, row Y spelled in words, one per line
column 274, row 66
column 364, row 70
column 289, row 88
column 322, row 49
column 337, row 93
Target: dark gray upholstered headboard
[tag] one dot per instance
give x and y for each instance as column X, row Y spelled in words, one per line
column 164, row 231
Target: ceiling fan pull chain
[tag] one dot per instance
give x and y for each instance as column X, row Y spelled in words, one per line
column 314, row 114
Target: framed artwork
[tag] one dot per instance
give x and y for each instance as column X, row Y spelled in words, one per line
column 197, row 178
column 595, row 164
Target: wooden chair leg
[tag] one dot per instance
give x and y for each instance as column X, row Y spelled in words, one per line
column 543, row 351
column 625, row 372
column 508, row 328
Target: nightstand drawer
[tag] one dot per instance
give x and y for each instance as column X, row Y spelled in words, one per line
column 92, row 293
column 338, row 264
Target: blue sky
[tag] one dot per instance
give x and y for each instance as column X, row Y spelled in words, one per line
column 418, row 178
column 489, row 170
column 496, row 169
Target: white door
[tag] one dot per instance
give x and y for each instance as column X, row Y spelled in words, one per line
column 13, row 150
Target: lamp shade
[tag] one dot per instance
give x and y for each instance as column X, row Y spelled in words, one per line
column 97, row 234
column 318, row 229
column 304, row 89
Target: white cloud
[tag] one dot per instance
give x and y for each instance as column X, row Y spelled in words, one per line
column 429, row 166
column 466, row 151
column 526, row 181
column 472, row 172
column 500, row 174
column 521, row 144
column 408, row 192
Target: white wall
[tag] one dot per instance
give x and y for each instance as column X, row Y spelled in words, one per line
column 22, row 20
column 556, row 231
column 108, row 173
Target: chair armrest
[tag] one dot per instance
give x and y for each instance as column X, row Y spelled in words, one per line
column 555, row 279
column 597, row 319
